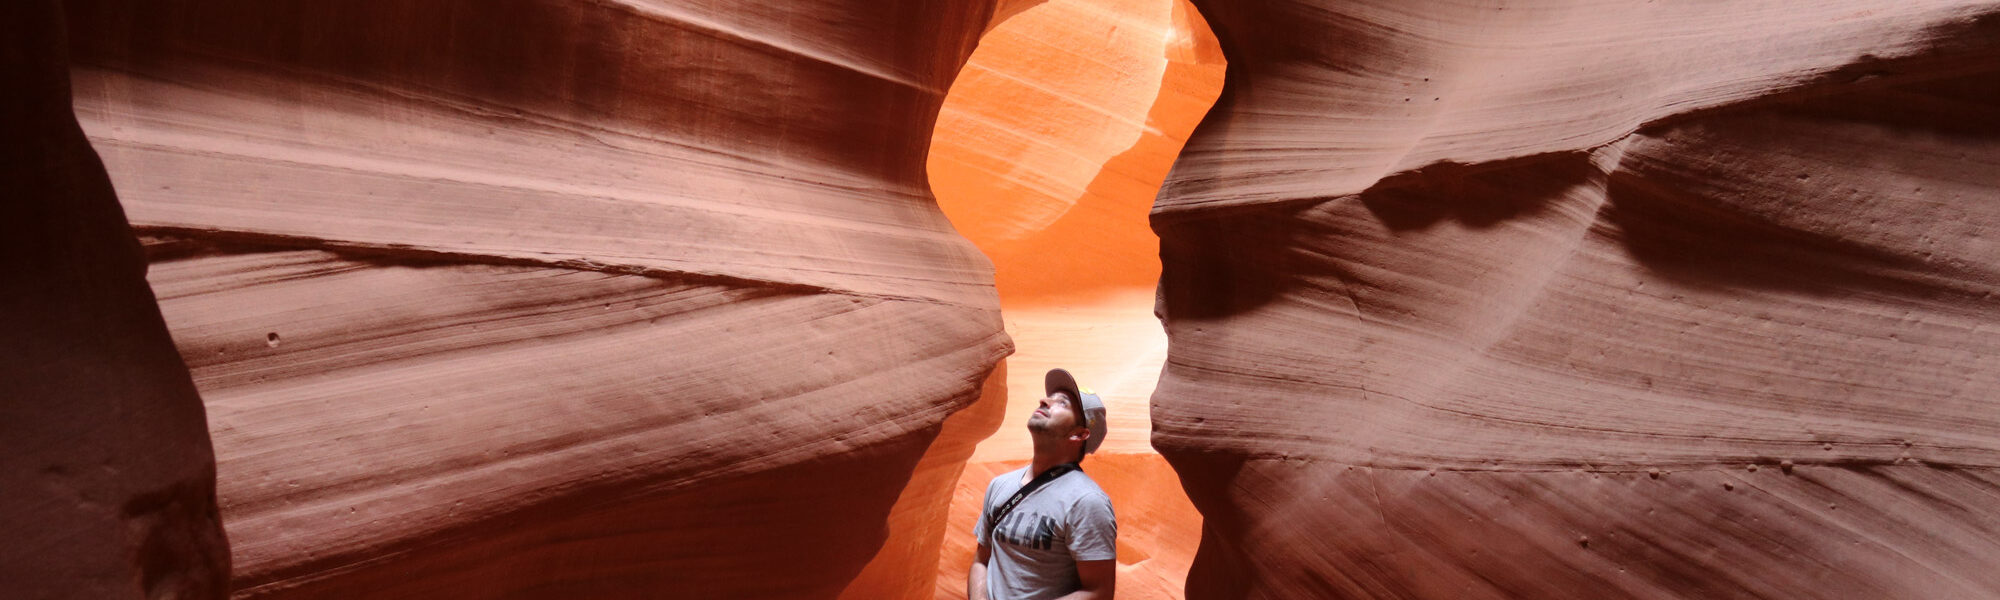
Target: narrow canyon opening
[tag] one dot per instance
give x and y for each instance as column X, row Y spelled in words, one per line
column 1048, row 153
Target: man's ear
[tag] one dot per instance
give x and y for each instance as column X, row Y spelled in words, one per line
column 1082, row 434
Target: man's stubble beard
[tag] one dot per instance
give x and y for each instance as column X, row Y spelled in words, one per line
column 1036, row 426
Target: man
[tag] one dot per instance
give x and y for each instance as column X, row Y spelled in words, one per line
column 1047, row 531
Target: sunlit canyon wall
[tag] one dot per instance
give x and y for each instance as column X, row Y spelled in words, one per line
column 543, row 298
column 1573, row 299
column 1590, row 299
column 1049, row 151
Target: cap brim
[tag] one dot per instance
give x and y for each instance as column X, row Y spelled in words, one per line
column 1059, row 380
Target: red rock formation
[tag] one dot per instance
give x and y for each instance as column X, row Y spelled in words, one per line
column 923, row 523
column 549, row 298
column 631, row 298
column 107, row 480
column 1590, row 300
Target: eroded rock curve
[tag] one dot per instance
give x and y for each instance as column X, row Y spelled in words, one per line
column 1589, row 300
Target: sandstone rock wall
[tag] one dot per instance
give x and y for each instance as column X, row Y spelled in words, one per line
column 549, row 298
column 1580, row 299
column 1590, row 300
column 107, row 480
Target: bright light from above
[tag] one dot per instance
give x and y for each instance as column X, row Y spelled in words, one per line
column 1047, row 154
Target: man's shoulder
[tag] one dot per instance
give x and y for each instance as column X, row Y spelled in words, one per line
column 1084, row 502
column 1081, row 488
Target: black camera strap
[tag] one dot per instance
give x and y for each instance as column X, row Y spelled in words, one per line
column 993, row 521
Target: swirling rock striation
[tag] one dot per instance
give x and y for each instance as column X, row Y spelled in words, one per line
column 1590, row 300
column 549, row 298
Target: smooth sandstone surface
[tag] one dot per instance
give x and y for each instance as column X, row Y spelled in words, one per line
column 1590, row 300
column 543, row 298
column 1578, row 299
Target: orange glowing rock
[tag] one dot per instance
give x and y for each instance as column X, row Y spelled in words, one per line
column 1048, row 154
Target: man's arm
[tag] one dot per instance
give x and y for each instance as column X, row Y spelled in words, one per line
column 1100, row 580
column 975, row 578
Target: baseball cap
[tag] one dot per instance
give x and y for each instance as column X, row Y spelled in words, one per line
column 1059, row 380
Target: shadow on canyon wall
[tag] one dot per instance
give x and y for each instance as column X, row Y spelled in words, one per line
column 108, row 474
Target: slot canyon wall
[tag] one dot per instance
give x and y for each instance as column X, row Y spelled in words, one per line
column 1591, row 299
column 525, row 297
column 107, row 479
column 1576, row 299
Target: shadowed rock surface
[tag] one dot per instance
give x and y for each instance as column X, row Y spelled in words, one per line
column 549, row 298
column 107, row 480
column 1590, row 300
column 522, row 298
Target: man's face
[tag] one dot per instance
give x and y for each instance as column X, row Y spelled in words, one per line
column 1055, row 414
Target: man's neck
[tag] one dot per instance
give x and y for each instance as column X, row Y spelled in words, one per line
column 1046, row 459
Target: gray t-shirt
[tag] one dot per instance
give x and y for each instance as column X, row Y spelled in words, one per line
column 1035, row 551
